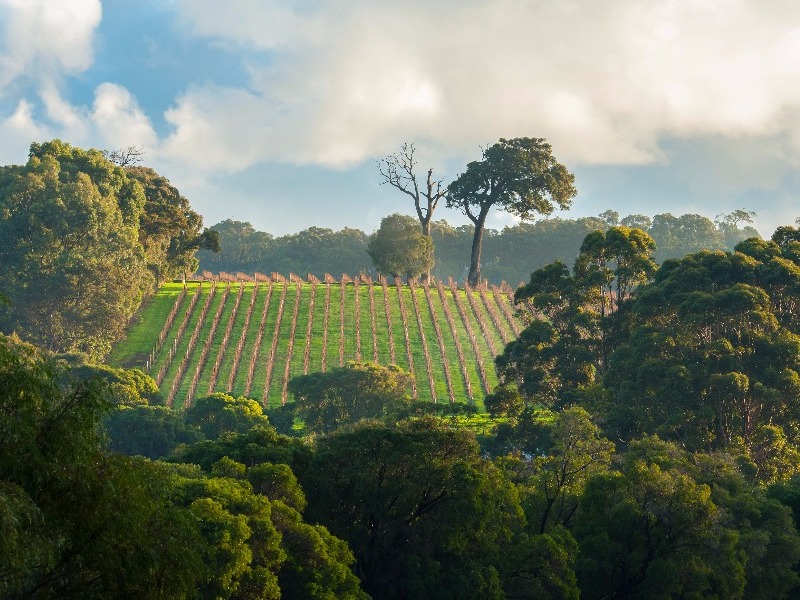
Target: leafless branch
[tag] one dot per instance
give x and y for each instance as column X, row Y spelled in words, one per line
column 125, row 157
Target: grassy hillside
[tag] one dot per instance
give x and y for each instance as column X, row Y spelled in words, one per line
column 251, row 338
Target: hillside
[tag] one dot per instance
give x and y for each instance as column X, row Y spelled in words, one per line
column 250, row 338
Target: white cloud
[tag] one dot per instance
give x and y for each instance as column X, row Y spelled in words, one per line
column 46, row 38
column 17, row 132
column 119, row 121
column 602, row 81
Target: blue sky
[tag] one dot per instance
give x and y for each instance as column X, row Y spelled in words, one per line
column 274, row 112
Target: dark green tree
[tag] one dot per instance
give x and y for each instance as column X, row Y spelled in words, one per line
column 705, row 361
column 425, row 516
column 398, row 248
column 359, row 390
column 571, row 451
column 220, row 413
column 63, row 533
column 519, row 176
column 676, row 237
column 151, row 431
column 650, row 530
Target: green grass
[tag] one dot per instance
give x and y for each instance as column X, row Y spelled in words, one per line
column 144, row 331
column 145, row 327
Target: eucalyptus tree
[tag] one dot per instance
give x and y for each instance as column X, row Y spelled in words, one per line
column 520, row 176
column 70, row 262
column 568, row 351
column 170, row 231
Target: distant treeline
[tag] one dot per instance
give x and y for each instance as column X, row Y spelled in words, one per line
column 509, row 255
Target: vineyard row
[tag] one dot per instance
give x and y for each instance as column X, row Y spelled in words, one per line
column 250, row 338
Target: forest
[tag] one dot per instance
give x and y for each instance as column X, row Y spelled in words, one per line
column 642, row 439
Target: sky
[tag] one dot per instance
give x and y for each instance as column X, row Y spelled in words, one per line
column 275, row 112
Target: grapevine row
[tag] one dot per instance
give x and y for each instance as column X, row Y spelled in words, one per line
column 481, row 322
column 165, row 330
column 341, row 321
column 237, row 356
column 473, row 340
column 446, row 363
column 388, row 311
column 309, row 325
column 204, row 352
column 494, row 315
column 178, row 335
column 424, row 342
column 257, row 346
column 325, row 326
column 357, row 319
column 409, row 354
column 224, row 343
column 502, row 302
column 457, row 342
column 290, row 349
column 192, row 341
column 274, row 345
column 373, row 322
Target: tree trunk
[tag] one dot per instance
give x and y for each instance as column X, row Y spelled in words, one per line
column 474, row 277
column 426, row 231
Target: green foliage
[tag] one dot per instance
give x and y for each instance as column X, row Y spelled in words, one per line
column 70, row 261
column 63, row 532
column 151, row 431
column 557, row 359
column 542, row 567
column 220, row 413
column 326, row 401
column 706, row 359
column 519, row 176
column 648, row 530
column 314, row 250
column 424, row 515
column 399, row 248
column 566, row 451
column 170, row 231
column 258, row 445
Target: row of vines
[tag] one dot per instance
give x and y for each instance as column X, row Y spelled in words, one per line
column 251, row 338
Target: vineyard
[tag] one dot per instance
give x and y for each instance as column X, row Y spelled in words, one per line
column 251, row 337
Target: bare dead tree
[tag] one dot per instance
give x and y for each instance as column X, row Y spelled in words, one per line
column 398, row 170
column 125, row 157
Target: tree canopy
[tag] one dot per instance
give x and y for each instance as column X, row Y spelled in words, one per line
column 70, row 263
column 398, row 248
column 359, row 390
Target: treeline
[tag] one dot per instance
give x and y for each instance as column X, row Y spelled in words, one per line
column 508, row 255
column 84, row 239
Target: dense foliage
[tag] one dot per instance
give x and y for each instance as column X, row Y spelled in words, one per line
column 399, row 249
column 79, row 235
column 80, row 522
column 646, row 435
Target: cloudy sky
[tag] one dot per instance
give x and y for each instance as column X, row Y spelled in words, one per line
column 275, row 112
